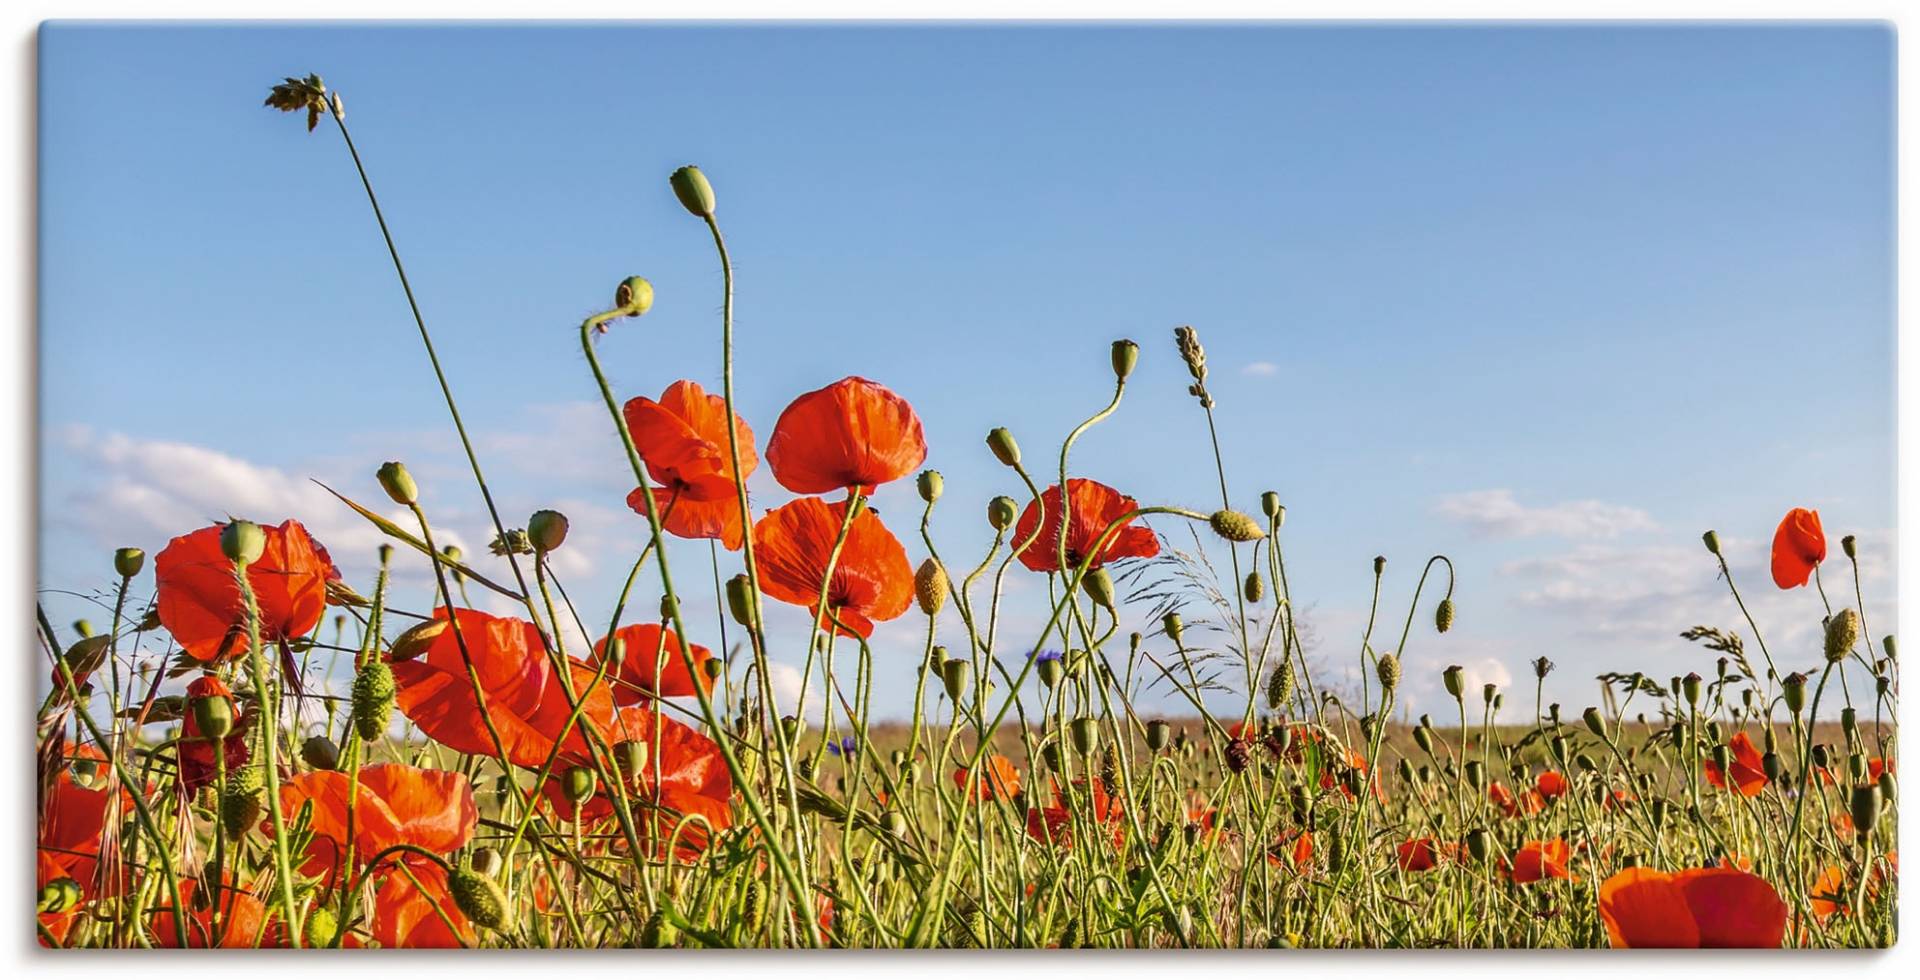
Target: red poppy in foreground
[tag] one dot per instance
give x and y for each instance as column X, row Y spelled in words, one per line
column 853, row 434
column 199, row 599
column 72, row 818
column 1424, row 853
column 1090, row 508
column 395, row 804
column 1798, row 546
column 1749, row 772
column 694, row 784
column 871, row 583
column 524, row 694
column 998, row 779
column 651, row 665
column 1550, row 785
column 683, row 440
column 1541, row 859
column 1645, row 908
column 241, row 918
column 1054, row 824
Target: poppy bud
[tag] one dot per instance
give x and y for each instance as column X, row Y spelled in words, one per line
column 1857, row 767
column 59, row 895
column 740, row 600
column 1235, row 526
column 714, row 668
column 1085, row 733
column 398, row 483
column 1001, row 512
column 1865, row 807
column 1774, row 766
column 212, row 711
column 1596, row 722
column 1886, row 643
column 1173, row 627
column 1793, row 690
column 957, row 675
column 1453, row 678
column 1850, row 721
column 1722, row 757
column 128, row 562
column 418, row 639
column 1586, row 763
column 1254, row 589
column 1443, row 615
column 1843, row 630
column 1159, row 733
column 1424, row 739
column 1005, row 449
column 1388, row 670
column 479, row 898
column 546, row 530
column 1489, row 693
column 385, row 554
column 1099, row 587
column 1847, row 545
column 1126, row 354
column 373, row 693
column 242, row 542
column 578, row 784
column 695, row 194
column 630, row 757
column 1886, row 784
column 322, row 927
column 1690, row 688
column 1712, row 540
column 633, row 297
column 895, row 824
column 319, row 752
column 1479, row 843
column 1476, row 773
column 1821, row 756
column 931, row 485
column 1050, row 670
column 1279, row 686
column 1559, row 746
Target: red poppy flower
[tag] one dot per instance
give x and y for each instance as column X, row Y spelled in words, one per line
column 199, row 758
column 683, row 440
column 1798, row 545
column 1091, row 507
column 871, row 579
column 199, row 600
column 524, row 695
column 1200, row 816
column 1294, row 846
column 72, row 819
column 998, row 779
column 1834, row 889
column 1550, row 785
column 654, row 648
column 1424, row 853
column 1749, row 772
column 1054, row 824
column 1526, row 804
column 1645, row 908
column 242, row 918
column 694, row 783
column 852, row 434
column 1540, row 859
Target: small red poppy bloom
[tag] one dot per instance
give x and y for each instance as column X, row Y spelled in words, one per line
column 242, row 918
column 694, row 783
column 1541, row 859
column 650, row 649
column 1798, row 545
column 199, row 758
column 524, row 694
column 1424, row 853
column 1645, row 908
column 683, row 440
column 1525, row 804
column 872, row 581
column 72, row 819
column 853, row 434
column 1550, row 785
column 1090, row 508
column 998, row 779
column 1834, row 888
column 1295, row 847
column 1054, row 824
column 1749, row 771
column 199, row 599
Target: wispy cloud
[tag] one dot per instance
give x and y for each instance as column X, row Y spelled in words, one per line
column 1261, row 369
column 1497, row 514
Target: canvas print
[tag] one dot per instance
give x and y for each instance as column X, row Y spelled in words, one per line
column 979, row 485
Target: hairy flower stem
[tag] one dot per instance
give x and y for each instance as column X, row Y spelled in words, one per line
column 264, row 697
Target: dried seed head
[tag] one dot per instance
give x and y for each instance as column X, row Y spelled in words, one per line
column 931, row 485
column 1195, row 357
column 1443, row 615
column 1843, row 631
column 1541, row 668
column 930, row 587
column 1235, row 526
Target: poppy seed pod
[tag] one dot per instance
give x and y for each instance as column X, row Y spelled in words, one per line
column 60, row 895
column 1235, row 526
column 1476, row 773
column 1159, row 734
column 1843, row 631
column 1171, row 624
column 714, row 668
column 693, row 190
column 1050, row 670
column 242, row 800
column 578, row 784
column 127, row 562
column 1690, row 688
column 1126, row 354
column 398, row 483
column 1270, row 506
column 1379, row 565
column 1005, row 449
column 1085, row 734
column 1099, row 587
column 634, row 296
column 1847, row 545
column 418, row 639
column 479, row 898
column 242, row 542
column 319, row 752
column 1489, row 693
column 930, row 587
column 1850, row 721
column 373, row 693
column 1793, row 690
column 1822, row 756
column 1712, row 540
column 740, row 600
column 1001, row 512
column 1774, row 766
column 1864, row 805
column 957, row 676
column 1424, row 739
column 1596, row 722
column 212, row 715
column 931, row 485
column 1479, row 843
column 546, row 530
column 1454, row 680
column 630, row 757
column 1254, row 589
column 1387, row 668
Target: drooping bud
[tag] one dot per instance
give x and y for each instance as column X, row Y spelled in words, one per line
column 418, row 639
column 398, row 483
column 1005, row 449
column 1099, row 587
column 1712, row 540
column 957, row 676
column 1443, row 615
column 373, row 693
column 1476, row 773
column 319, row 752
column 546, row 530
column 1479, row 844
column 1280, row 686
column 212, row 706
column 1864, row 805
column 931, row 485
column 1235, row 526
column 1001, row 512
column 1423, row 737
column 633, row 297
column 1843, row 631
column 479, row 898
column 1596, row 722
column 242, row 542
column 1050, row 669
column 1254, row 589
column 693, row 190
column 1173, row 627
column 127, row 562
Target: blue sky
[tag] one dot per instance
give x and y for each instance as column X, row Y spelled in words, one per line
column 1549, row 300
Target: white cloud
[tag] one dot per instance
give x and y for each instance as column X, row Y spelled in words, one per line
column 1495, row 513
column 1261, row 369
